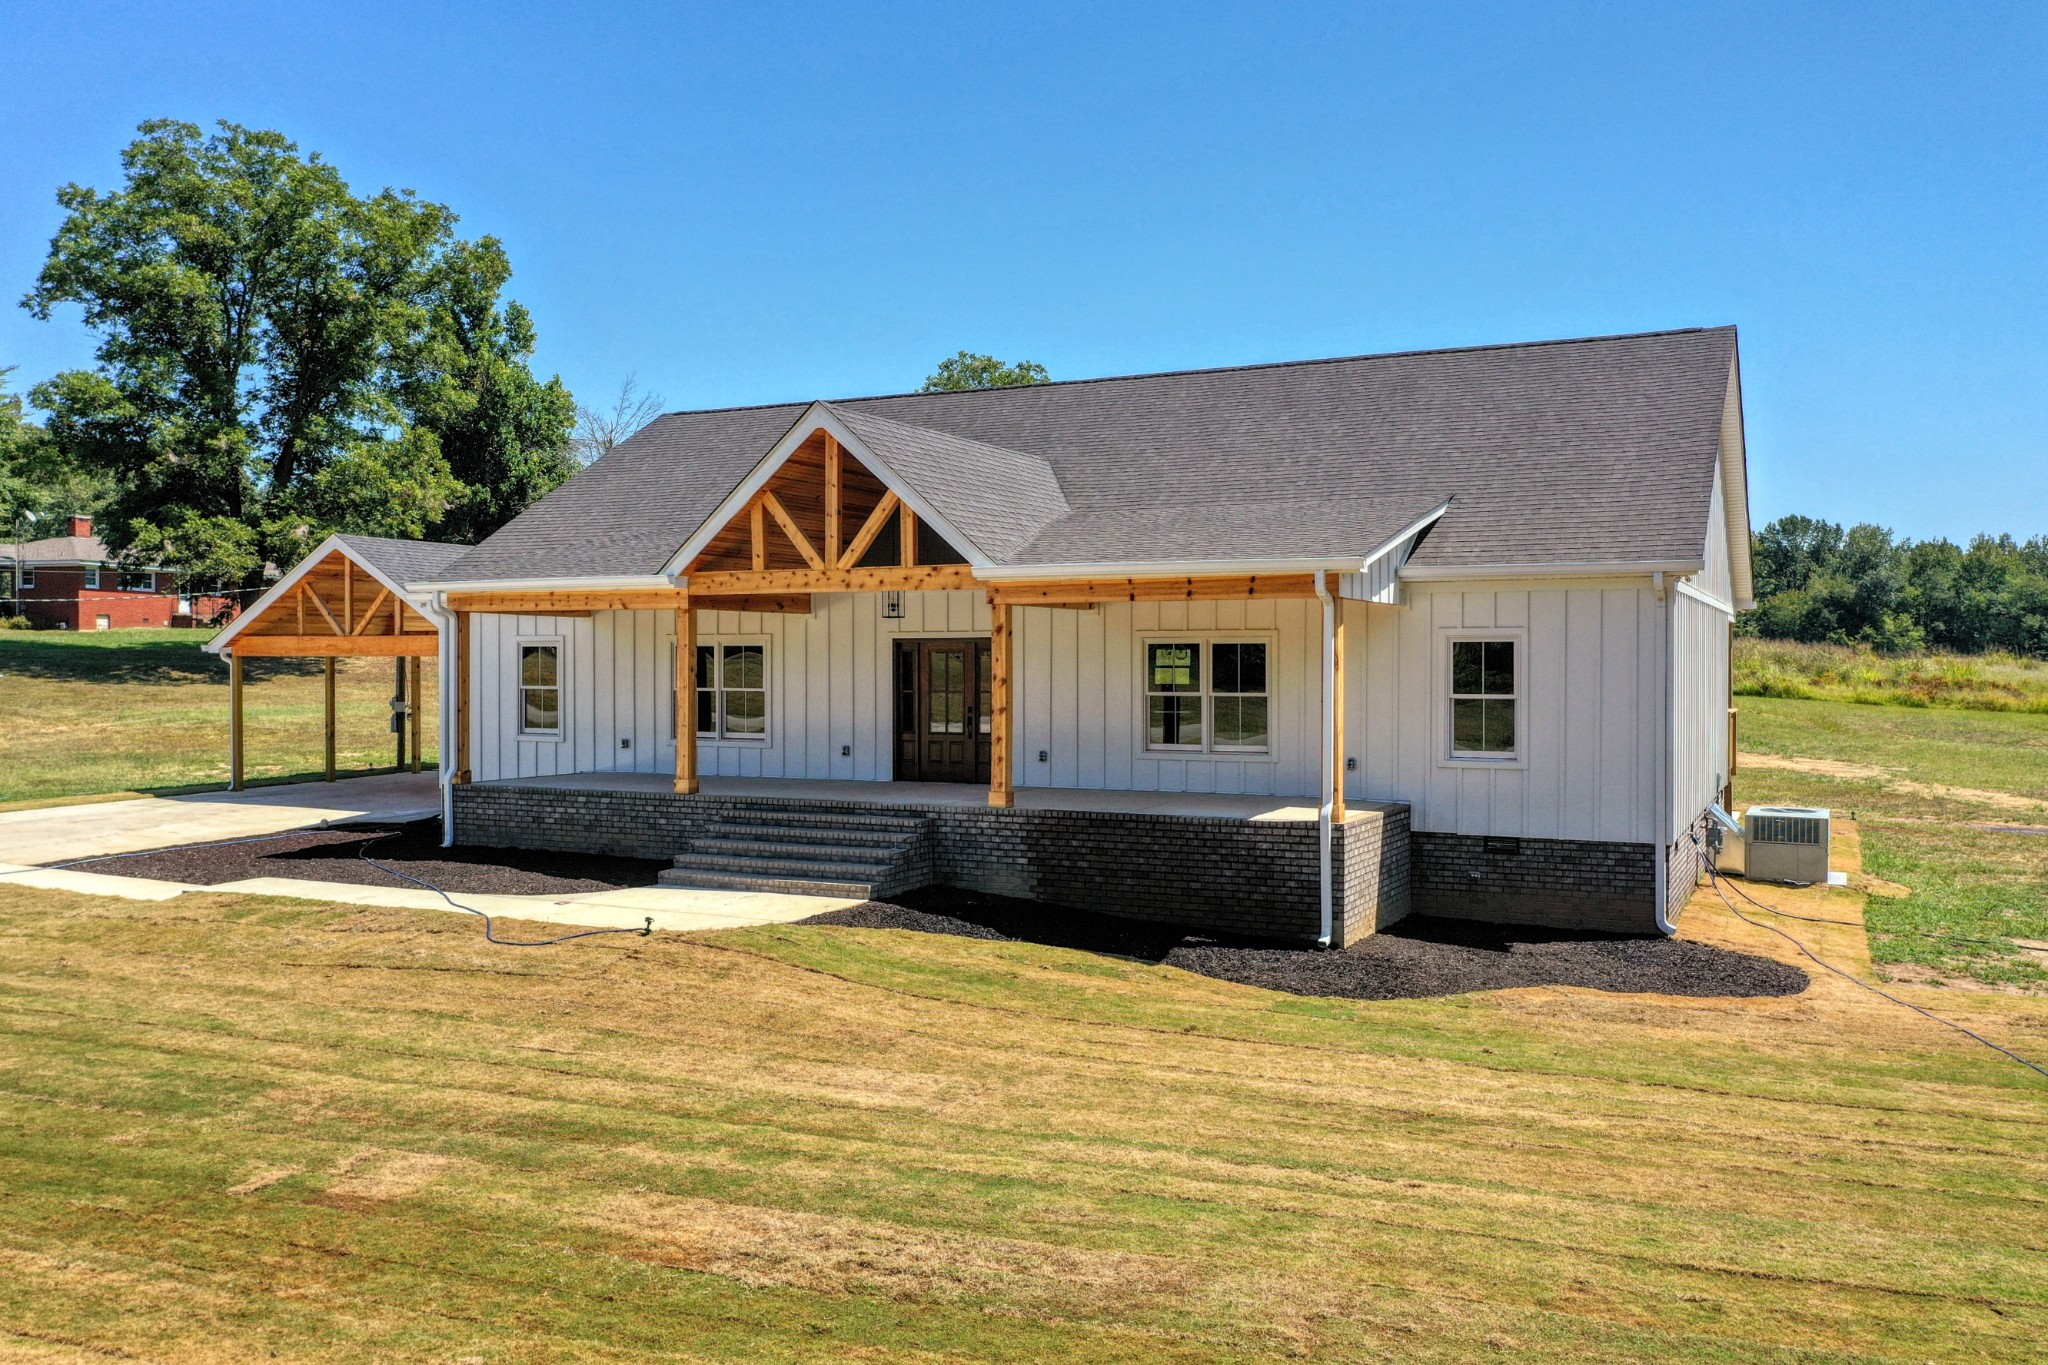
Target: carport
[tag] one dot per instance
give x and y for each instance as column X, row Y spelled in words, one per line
column 349, row 598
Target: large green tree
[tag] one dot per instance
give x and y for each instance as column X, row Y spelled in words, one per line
column 279, row 357
column 38, row 485
column 969, row 370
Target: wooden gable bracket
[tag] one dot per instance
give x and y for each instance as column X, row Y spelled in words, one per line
column 307, row 593
column 870, row 529
column 792, row 530
column 371, row 614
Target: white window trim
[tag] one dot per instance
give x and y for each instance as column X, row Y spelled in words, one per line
column 768, row 651
column 1440, row 696
column 92, row 576
column 26, row 574
column 560, row 733
column 1208, row 747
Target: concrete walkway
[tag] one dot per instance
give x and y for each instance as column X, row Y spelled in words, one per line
column 32, row 841
column 63, row 834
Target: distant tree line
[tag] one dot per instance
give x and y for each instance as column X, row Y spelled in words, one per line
column 1816, row 582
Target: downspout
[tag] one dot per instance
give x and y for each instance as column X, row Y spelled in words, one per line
column 445, row 686
column 1665, row 760
column 1326, row 808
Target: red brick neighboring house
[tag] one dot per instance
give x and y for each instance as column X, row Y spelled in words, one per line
column 71, row 582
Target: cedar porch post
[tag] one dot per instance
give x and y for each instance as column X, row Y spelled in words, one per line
column 328, row 729
column 418, row 706
column 1337, row 740
column 686, row 698
column 461, row 697
column 1002, row 648
column 234, row 722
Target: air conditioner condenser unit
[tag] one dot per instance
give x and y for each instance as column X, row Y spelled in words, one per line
column 1786, row 844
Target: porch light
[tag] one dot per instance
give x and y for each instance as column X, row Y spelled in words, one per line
column 892, row 606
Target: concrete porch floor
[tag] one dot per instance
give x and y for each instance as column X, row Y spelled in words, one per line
column 1198, row 804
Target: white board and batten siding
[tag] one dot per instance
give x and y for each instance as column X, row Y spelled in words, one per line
column 1592, row 668
column 1700, row 639
column 1080, row 701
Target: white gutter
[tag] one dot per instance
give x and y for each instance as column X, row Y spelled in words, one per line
column 1183, row 568
column 1665, row 763
column 437, row 607
column 1590, row 568
column 1326, row 813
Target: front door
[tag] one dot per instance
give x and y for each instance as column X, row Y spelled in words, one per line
column 942, row 711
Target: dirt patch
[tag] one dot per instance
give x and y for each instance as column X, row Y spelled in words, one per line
column 769, row 1247
column 1418, row 957
column 375, row 1177
column 1865, row 772
column 338, row 855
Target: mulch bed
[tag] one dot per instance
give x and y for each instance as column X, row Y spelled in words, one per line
column 1420, row 956
column 331, row 855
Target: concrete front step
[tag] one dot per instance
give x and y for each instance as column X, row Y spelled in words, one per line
column 859, row 870
column 764, row 831
column 903, row 822
column 788, row 886
column 819, row 849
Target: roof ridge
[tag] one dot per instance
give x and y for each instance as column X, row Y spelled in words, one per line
column 1222, row 369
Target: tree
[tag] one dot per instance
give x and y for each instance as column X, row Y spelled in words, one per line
column 278, row 357
column 968, row 370
column 35, row 477
column 597, row 431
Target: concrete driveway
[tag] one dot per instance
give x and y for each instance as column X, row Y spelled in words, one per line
column 64, row 834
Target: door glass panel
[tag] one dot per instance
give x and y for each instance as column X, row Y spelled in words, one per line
column 946, row 713
column 986, row 693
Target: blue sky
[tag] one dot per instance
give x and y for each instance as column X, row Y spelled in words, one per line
column 756, row 202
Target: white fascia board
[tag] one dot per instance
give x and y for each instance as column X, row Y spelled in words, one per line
column 1407, row 533
column 1593, row 568
column 616, row 581
column 291, row 580
column 1701, row 595
column 1184, row 568
column 1735, row 489
column 818, row 416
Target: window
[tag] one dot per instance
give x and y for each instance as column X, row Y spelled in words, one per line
column 92, row 575
column 540, row 689
column 133, row 580
column 732, row 691
column 1483, row 699
column 1207, row 696
column 28, row 577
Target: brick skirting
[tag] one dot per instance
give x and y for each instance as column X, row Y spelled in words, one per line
column 1564, row 883
column 1253, row 877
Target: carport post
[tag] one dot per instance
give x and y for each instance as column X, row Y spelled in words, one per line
column 330, row 661
column 398, row 712
column 234, row 722
column 413, row 695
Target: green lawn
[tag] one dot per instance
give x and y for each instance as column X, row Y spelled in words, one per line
column 1935, row 777
column 142, row 710
column 245, row 1129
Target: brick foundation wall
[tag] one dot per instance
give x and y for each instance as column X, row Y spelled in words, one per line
column 1252, row 877
column 1686, row 866
column 1564, row 883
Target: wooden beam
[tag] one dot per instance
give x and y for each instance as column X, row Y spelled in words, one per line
column 1337, row 707
column 342, row 646
column 909, row 538
column 929, row 578
column 371, row 614
column 1223, row 588
column 348, row 596
column 327, row 731
column 686, row 698
column 299, row 599
column 332, row 623
column 1002, row 714
column 782, row 603
column 416, row 715
column 792, row 530
column 567, row 602
column 234, row 722
column 832, row 463
column 461, row 726
column 869, row 529
column 759, row 517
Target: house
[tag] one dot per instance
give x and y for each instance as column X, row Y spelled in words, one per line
column 1284, row 649
column 71, row 582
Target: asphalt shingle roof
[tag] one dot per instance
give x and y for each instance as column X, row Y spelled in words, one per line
column 1589, row 451
column 404, row 562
